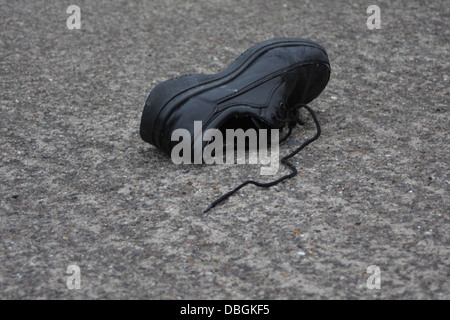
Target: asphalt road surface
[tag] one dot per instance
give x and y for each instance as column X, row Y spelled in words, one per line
column 81, row 192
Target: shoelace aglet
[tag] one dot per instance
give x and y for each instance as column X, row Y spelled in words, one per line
column 209, row 208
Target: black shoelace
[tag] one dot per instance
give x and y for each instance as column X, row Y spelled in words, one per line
column 291, row 119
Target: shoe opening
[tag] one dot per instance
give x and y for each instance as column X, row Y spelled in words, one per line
column 243, row 122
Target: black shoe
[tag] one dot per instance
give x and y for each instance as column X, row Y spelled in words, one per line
column 258, row 86
column 263, row 88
